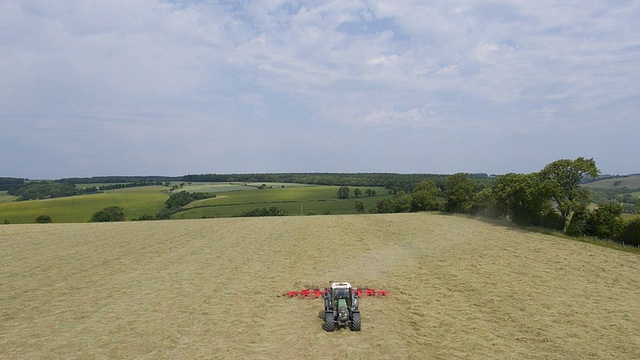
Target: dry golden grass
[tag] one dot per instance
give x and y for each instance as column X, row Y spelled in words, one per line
column 461, row 289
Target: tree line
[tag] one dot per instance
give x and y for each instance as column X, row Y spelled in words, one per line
column 56, row 189
column 116, row 179
column 130, row 184
column 47, row 190
column 551, row 198
column 392, row 181
column 8, row 183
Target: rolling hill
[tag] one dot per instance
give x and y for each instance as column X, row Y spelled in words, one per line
column 460, row 288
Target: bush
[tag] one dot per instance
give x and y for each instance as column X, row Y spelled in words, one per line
column 552, row 220
column 109, row 214
column 579, row 223
column 272, row 211
column 165, row 213
column 382, row 206
column 630, row 233
column 43, row 219
column 182, row 198
column 605, row 222
column 145, row 217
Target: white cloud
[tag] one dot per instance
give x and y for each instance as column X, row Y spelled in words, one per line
column 505, row 68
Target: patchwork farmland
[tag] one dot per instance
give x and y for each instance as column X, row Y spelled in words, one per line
column 460, row 288
column 231, row 198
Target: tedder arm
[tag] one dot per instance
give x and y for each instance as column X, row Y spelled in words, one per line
column 317, row 292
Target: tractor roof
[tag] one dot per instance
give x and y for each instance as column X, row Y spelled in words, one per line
column 340, row 285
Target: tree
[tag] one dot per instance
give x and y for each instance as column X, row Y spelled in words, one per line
column 343, row 192
column 383, row 206
column 459, row 193
column 108, row 214
column 401, row 202
column 357, row 192
column 368, row 192
column 182, row 198
column 425, row 196
column 520, row 197
column 271, row 211
column 359, row 206
column 605, row 222
column 43, row 190
column 145, row 217
column 484, row 204
column 630, row 233
column 43, row 219
column 561, row 180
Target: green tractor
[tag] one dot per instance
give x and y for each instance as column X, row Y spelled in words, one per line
column 341, row 307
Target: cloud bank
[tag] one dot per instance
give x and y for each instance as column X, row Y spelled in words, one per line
column 174, row 87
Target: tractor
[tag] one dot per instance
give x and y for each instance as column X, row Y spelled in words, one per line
column 341, row 307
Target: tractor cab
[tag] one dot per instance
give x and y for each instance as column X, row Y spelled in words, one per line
column 341, row 293
column 341, row 307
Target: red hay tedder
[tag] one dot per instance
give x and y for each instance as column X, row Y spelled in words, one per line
column 318, row 292
column 341, row 303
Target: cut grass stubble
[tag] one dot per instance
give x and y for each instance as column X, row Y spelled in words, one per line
column 460, row 288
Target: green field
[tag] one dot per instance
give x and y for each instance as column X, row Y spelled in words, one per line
column 235, row 186
column 296, row 200
column 135, row 201
column 6, row 198
column 632, row 181
column 231, row 198
column 630, row 216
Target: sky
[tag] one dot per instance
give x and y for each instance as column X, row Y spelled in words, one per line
column 157, row 87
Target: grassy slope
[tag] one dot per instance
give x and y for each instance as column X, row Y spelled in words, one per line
column 150, row 199
column 6, row 198
column 628, row 181
column 135, row 201
column 295, row 200
column 460, row 288
column 224, row 187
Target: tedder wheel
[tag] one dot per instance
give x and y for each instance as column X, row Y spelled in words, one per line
column 329, row 323
column 355, row 322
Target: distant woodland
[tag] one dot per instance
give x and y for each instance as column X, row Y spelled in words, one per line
column 552, row 198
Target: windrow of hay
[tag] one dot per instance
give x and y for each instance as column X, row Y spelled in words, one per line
column 460, row 288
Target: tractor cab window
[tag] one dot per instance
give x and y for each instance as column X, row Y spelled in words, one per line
column 342, row 293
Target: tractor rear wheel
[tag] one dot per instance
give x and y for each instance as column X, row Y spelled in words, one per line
column 329, row 323
column 355, row 322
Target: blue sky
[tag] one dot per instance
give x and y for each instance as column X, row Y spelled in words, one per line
column 154, row 87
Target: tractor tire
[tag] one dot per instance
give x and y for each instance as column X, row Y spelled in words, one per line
column 355, row 322
column 329, row 322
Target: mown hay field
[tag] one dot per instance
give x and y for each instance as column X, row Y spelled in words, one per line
column 460, row 289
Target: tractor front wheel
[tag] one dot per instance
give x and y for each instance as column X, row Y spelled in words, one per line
column 355, row 322
column 329, row 323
